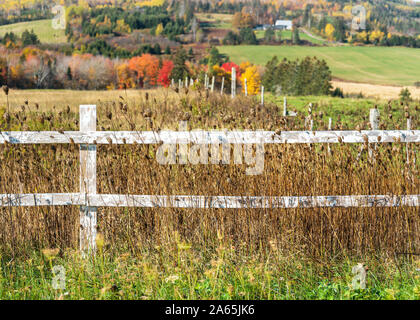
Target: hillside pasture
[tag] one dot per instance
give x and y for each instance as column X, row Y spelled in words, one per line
column 42, row 28
column 376, row 65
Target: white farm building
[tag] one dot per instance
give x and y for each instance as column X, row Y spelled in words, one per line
column 283, row 24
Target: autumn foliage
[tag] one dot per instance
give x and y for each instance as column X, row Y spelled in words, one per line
column 145, row 68
column 252, row 76
column 165, row 72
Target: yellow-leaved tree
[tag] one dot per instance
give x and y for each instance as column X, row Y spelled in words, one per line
column 329, row 31
column 253, row 80
column 159, row 29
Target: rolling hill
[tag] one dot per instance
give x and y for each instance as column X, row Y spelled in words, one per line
column 42, row 28
column 377, row 65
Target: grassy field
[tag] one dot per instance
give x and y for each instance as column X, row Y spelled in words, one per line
column 287, row 35
column 350, row 110
column 215, row 20
column 184, row 272
column 172, row 253
column 377, row 65
column 43, row 28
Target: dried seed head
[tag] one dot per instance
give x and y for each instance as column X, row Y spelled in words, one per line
column 6, row 117
column 148, row 113
column 6, row 90
column 186, row 117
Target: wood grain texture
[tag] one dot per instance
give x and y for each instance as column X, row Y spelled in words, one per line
column 209, row 137
column 88, row 214
column 207, row 202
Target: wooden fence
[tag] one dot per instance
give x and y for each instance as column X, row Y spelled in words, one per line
column 88, row 199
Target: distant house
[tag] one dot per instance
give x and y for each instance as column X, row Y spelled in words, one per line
column 263, row 26
column 283, row 25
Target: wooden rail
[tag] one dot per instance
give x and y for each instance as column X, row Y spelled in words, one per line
column 209, row 137
column 206, row 202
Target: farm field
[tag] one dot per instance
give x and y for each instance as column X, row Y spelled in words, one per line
column 42, row 28
column 376, row 91
column 374, row 65
column 350, row 110
column 287, row 35
column 141, row 158
column 215, row 20
column 157, row 253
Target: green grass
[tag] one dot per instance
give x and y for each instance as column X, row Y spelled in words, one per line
column 377, row 65
column 181, row 272
column 215, row 20
column 43, row 29
column 349, row 112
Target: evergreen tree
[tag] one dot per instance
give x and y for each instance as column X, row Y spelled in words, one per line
column 295, row 36
column 69, row 74
column 269, row 35
column 180, row 70
column 268, row 79
column 29, row 38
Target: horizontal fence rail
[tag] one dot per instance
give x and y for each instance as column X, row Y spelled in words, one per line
column 206, row 202
column 209, row 137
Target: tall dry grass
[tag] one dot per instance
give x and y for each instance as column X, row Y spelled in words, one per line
column 133, row 169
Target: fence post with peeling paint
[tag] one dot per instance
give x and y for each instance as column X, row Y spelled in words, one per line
column 407, row 148
column 88, row 214
column 285, row 107
column 262, row 95
column 374, row 124
column 246, row 87
column 233, row 82
column 223, row 85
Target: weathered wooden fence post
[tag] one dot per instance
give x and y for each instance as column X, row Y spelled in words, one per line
column 374, row 119
column 262, row 95
column 285, row 107
column 407, row 148
column 206, row 85
column 88, row 214
column 246, row 87
column 223, row 85
column 212, row 84
column 329, row 128
column 233, row 82
column 374, row 123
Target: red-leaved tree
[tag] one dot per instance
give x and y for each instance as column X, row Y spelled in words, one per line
column 165, row 72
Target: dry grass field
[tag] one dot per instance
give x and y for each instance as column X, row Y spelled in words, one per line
column 376, row 91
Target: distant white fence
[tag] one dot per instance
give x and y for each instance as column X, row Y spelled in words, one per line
column 89, row 200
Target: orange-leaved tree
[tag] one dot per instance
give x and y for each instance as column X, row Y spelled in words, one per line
column 146, row 69
column 125, row 79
